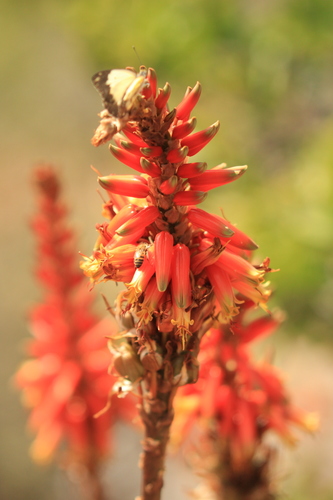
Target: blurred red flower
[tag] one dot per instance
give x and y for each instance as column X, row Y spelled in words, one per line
column 65, row 381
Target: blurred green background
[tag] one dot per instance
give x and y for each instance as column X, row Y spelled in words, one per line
column 266, row 68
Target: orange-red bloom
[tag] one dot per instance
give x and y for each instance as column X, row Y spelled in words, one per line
column 242, row 399
column 191, row 271
column 162, row 201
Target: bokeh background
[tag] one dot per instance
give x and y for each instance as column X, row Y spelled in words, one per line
column 266, row 68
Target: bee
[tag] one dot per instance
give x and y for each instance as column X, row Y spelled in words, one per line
column 119, row 89
column 140, row 254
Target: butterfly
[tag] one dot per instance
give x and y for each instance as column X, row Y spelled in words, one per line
column 119, row 89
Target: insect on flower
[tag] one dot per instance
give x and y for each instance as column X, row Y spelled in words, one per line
column 119, row 89
column 140, row 254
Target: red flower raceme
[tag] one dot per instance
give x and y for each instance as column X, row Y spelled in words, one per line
column 184, row 269
column 236, row 402
column 65, row 381
column 161, row 202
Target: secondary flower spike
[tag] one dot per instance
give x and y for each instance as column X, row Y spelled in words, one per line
column 172, row 295
column 237, row 402
column 64, row 382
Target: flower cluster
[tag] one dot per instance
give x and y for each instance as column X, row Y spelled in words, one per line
column 65, row 381
column 184, row 269
column 236, row 402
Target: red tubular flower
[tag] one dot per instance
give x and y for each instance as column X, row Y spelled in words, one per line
column 144, row 217
column 65, row 382
column 152, row 79
column 129, row 159
column 239, row 239
column 185, row 198
column 125, row 185
column 188, row 170
column 169, row 186
column 139, row 282
column 163, row 257
column 129, row 132
column 216, row 178
column 184, row 129
column 149, row 305
column 239, row 268
column 190, row 100
column 150, row 168
column 211, row 223
column 196, row 142
column 223, row 291
column 207, row 255
column 125, row 213
column 177, row 155
column 152, row 151
column 180, row 276
column 163, row 96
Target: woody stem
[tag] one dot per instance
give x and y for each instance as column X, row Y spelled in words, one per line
column 157, row 416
